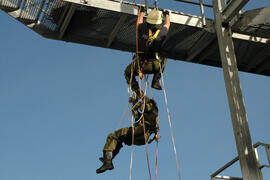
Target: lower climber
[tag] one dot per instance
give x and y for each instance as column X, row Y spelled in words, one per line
column 145, row 111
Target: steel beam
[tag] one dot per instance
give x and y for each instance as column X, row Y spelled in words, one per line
column 216, row 175
column 225, row 166
column 175, row 17
column 233, row 9
column 255, row 18
column 66, row 21
column 63, row 16
column 228, row 178
column 116, row 29
column 250, row 38
column 132, row 9
column 247, row 157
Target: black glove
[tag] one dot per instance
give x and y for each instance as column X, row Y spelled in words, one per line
column 165, row 12
column 131, row 100
column 142, row 9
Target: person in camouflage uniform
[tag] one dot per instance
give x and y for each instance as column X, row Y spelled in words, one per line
column 143, row 109
column 149, row 58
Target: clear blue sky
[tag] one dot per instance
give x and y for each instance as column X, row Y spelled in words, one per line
column 58, row 102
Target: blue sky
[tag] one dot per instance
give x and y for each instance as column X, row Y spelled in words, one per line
column 58, row 102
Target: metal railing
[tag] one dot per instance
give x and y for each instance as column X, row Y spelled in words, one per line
column 196, row 3
column 10, row 4
column 31, row 10
column 53, row 14
column 202, row 5
column 216, row 175
column 45, row 16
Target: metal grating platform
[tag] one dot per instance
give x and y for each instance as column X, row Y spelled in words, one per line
column 111, row 24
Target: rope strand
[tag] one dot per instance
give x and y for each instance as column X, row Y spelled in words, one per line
column 146, row 149
column 132, row 125
column 170, row 124
column 156, row 160
column 139, row 70
column 150, row 90
column 123, row 117
column 131, row 156
column 140, row 95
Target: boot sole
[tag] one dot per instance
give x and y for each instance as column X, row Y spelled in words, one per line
column 105, row 170
column 157, row 88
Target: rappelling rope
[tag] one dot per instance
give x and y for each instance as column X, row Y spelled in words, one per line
column 142, row 118
column 137, row 50
column 123, row 117
column 170, row 124
column 141, row 97
column 156, row 159
column 131, row 160
column 132, row 126
column 146, row 149
column 150, row 90
column 131, row 156
column 139, row 71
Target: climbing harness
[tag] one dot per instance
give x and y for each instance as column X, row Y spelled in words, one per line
column 151, row 36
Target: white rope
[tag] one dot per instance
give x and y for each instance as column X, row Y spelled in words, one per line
column 170, row 124
column 132, row 125
column 123, row 117
column 131, row 156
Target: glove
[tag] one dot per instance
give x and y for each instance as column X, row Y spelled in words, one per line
column 165, row 12
column 142, row 9
column 156, row 137
column 131, row 99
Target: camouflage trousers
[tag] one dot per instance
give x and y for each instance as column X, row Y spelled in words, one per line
column 147, row 67
column 124, row 135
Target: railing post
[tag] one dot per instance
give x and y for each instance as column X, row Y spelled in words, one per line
column 146, row 5
column 202, row 12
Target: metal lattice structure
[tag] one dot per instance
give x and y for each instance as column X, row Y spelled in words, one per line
column 216, row 175
column 232, row 40
column 111, row 24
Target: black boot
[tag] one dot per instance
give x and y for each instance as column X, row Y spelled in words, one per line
column 101, row 159
column 155, row 81
column 107, row 162
column 114, row 153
